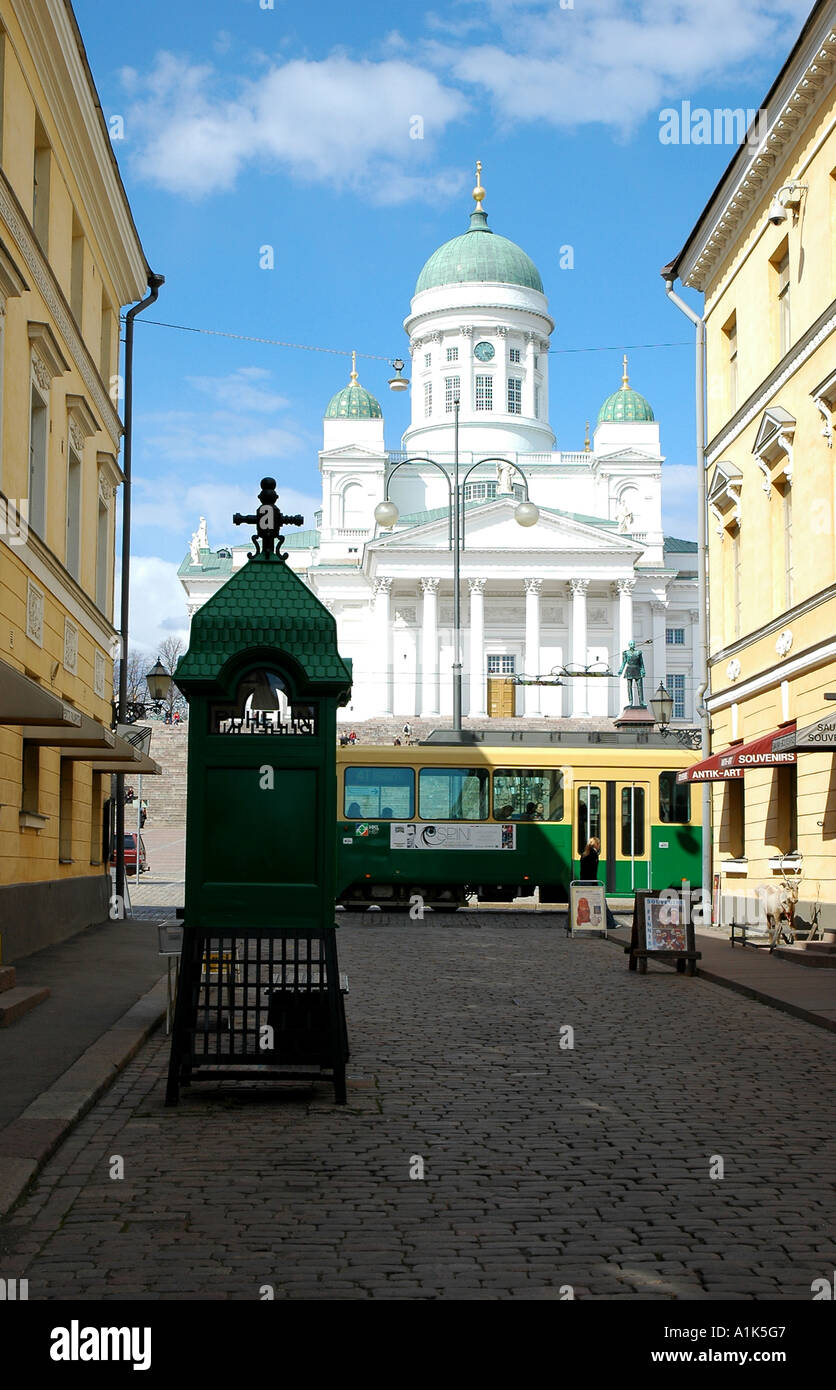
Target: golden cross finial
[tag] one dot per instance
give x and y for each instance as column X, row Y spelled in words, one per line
column 478, row 192
column 625, row 380
column 354, row 367
column 586, row 443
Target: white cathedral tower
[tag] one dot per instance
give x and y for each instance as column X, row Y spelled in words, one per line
column 571, row 590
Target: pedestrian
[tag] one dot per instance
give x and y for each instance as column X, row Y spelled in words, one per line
column 407, row 730
column 589, row 860
column 352, row 738
column 397, row 743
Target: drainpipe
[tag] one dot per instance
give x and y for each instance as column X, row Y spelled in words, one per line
column 702, row 574
column 154, row 283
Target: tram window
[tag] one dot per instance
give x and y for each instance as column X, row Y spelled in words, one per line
column 674, row 799
column 589, row 816
column 453, row 793
column 379, row 793
column 632, row 822
column 525, row 793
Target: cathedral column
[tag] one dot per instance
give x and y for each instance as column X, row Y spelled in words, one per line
column 625, row 589
column 382, row 655
column 464, row 366
column 528, row 379
column 578, row 588
column 429, row 648
column 477, row 649
column 500, row 380
column 658, row 611
column 532, row 643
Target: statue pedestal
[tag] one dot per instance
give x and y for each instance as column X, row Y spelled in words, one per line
column 635, row 717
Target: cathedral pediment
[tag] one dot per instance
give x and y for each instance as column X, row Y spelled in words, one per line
column 352, row 451
column 630, row 455
column 492, row 527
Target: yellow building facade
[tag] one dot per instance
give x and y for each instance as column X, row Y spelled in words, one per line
column 70, row 258
column 763, row 254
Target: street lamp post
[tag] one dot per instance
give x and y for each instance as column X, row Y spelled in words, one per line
column 386, row 515
column 662, row 706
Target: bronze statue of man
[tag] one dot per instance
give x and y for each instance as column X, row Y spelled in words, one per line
column 632, row 666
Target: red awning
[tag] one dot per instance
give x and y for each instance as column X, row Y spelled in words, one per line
column 733, row 762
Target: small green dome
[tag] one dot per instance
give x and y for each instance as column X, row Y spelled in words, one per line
column 479, row 254
column 354, row 402
column 625, row 404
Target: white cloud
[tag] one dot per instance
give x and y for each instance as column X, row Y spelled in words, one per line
column 157, row 606
column 340, row 121
column 608, row 62
column 679, row 500
column 165, row 505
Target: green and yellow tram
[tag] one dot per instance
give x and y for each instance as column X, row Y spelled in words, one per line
column 501, row 815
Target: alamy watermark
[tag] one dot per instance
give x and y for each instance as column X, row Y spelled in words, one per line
column 724, row 125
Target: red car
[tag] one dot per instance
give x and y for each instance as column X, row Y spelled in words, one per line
column 130, row 855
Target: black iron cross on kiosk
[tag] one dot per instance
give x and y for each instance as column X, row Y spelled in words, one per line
column 267, row 520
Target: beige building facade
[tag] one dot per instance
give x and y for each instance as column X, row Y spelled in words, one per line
column 70, row 257
column 763, row 254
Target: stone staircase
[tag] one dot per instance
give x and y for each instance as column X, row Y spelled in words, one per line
column 166, row 794
column 386, row 729
column 16, row 1000
column 820, row 955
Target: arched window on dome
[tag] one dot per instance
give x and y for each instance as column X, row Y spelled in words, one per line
column 355, row 509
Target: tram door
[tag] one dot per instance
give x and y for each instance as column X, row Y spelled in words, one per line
column 630, row 836
column 618, row 814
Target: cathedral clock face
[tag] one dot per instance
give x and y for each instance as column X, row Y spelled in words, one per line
column 484, row 351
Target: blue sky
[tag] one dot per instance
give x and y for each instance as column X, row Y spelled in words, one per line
column 247, row 126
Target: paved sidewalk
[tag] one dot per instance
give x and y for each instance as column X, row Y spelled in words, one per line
column 799, row 990
column 593, row 1166
column 57, row 1059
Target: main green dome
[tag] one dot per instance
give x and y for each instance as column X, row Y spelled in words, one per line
column 479, row 255
column 625, row 404
column 354, row 402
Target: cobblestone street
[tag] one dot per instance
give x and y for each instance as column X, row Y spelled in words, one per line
column 544, row 1166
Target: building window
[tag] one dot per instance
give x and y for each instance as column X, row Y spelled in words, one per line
column 72, row 559
column 730, row 331
column 785, row 790
column 514, row 354
column 736, row 585
column 781, row 266
column 502, row 665
column 102, row 559
column 484, row 393
column 452, row 390
column 676, row 690
column 428, row 398
column 38, row 435
column 674, row 800
column 787, row 520
column 65, row 813
column 31, row 779
column 104, row 363
column 40, row 187
column 675, row 636
column 474, row 492
column 427, row 359
column 514, row 395
column 733, row 822
column 452, row 354
column 537, row 402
